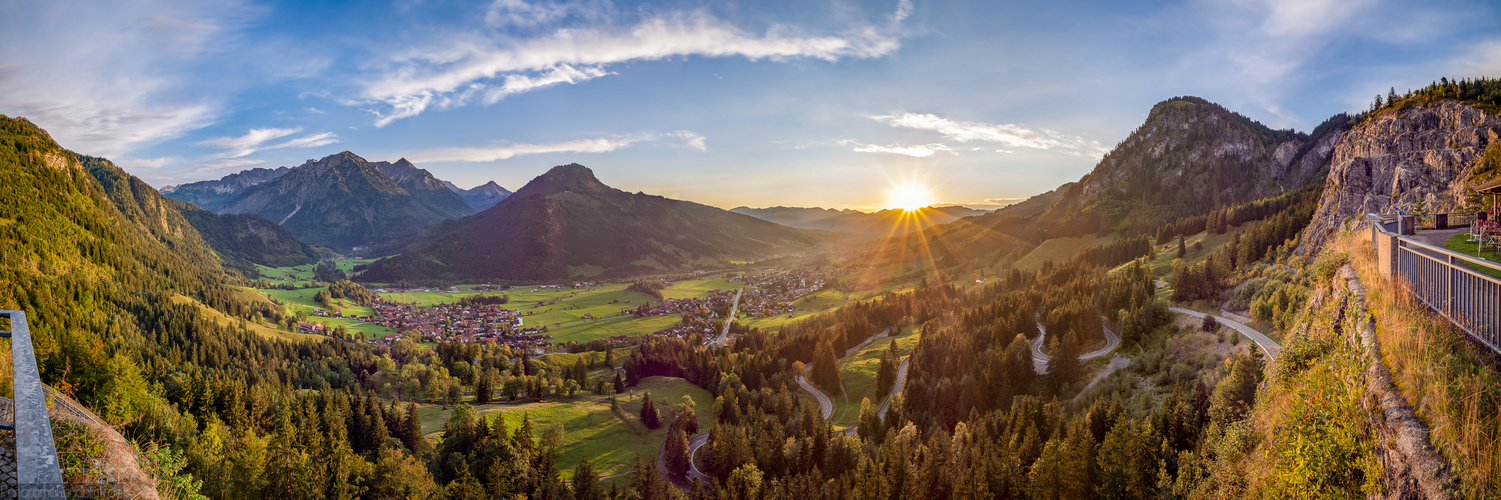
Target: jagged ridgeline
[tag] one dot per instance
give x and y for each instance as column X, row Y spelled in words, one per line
column 566, row 223
column 1190, row 157
column 341, row 201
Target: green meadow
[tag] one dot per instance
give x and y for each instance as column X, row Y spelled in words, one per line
column 859, row 375
column 590, row 430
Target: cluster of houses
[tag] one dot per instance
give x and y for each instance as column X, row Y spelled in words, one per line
column 681, row 331
column 445, row 323
column 695, row 306
column 770, row 294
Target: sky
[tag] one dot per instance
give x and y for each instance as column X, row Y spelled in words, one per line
column 825, row 103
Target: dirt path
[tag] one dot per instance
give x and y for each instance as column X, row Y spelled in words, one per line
column 1268, row 345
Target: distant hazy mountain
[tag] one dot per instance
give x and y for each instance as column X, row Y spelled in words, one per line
column 211, row 194
column 481, row 197
column 566, row 223
column 347, row 203
column 883, row 223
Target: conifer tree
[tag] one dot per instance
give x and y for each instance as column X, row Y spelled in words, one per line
column 1064, row 365
column 677, row 451
column 649, row 414
column 886, row 374
column 586, row 482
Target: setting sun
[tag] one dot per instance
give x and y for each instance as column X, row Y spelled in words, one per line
column 909, row 196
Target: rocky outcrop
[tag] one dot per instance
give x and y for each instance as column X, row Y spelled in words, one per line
column 1418, row 157
column 1190, row 157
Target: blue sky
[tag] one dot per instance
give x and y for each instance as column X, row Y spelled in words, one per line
column 796, row 103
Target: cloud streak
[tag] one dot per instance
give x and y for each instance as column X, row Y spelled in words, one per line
column 1006, row 134
column 915, row 151
column 506, row 151
column 255, row 140
column 491, row 66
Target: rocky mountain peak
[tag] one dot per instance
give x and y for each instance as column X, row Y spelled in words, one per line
column 1424, row 157
column 563, row 178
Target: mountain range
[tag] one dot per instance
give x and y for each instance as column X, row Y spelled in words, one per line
column 887, row 222
column 567, row 224
column 342, row 201
column 482, row 196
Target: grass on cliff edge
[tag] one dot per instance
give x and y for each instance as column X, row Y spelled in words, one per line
column 1307, row 434
column 1447, row 378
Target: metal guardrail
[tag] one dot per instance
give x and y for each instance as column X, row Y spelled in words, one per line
column 38, row 474
column 1440, row 278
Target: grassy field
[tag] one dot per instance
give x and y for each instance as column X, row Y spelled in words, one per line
column 225, row 320
column 302, row 300
column 611, row 327
column 1461, row 243
column 859, row 375
column 1059, row 250
column 590, row 429
column 698, row 288
column 774, row 323
column 1162, row 262
column 303, row 272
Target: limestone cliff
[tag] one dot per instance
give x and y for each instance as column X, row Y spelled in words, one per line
column 1419, row 157
column 1190, row 157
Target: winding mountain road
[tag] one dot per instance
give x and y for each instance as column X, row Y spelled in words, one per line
column 1268, row 345
column 1040, row 360
column 825, row 405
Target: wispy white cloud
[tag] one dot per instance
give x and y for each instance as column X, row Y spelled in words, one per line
column 505, row 151
column 914, row 150
column 504, row 13
column 1005, row 133
column 256, row 140
column 148, row 163
column 311, row 141
column 491, row 66
column 103, row 78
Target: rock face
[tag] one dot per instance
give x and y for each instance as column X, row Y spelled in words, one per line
column 347, row 204
column 1190, row 157
column 1422, row 157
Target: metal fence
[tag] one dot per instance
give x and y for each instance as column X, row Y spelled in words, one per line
column 37, row 472
column 1447, row 281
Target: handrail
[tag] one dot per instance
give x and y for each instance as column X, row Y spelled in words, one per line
column 1469, row 299
column 38, row 474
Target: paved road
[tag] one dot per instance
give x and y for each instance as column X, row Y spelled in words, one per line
column 694, row 444
column 734, row 306
column 901, row 378
column 1040, row 360
column 1267, row 344
column 825, row 405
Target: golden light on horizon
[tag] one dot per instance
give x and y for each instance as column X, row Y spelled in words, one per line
column 909, row 196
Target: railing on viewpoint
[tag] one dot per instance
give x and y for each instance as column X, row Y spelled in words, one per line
column 1443, row 279
column 37, row 472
